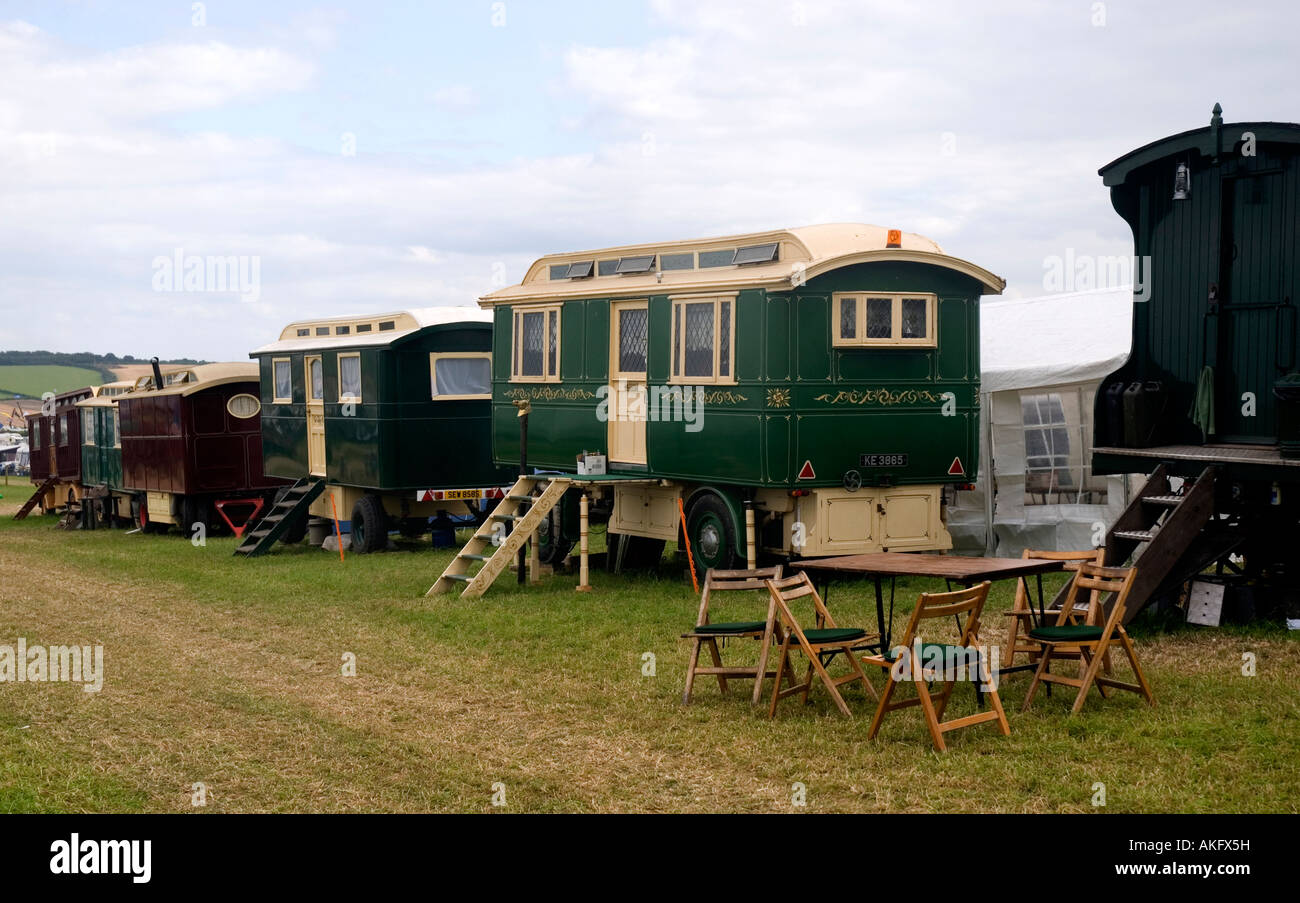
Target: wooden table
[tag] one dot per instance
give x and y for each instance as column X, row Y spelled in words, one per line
column 960, row 569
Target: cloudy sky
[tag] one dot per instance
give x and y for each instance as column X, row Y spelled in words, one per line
column 372, row 156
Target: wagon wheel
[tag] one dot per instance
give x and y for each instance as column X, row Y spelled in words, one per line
column 140, row 514
column 369, row 526
column 552, row 545
column 297, row 531
column 712, row 535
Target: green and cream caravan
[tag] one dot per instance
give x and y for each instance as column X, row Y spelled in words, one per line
column 101, row 455
column 826, row 376
column 383, row 420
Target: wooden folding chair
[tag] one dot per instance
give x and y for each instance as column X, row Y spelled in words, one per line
column 1092, row 641
column 964, row 655
column 708, row 634
column 1023, row 614
column 826, row 638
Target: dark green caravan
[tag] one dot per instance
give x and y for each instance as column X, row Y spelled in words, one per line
column 101, row 454
column 1211, row 390
column 389, row 411
column 827, row 376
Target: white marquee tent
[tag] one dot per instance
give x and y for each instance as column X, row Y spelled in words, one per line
column 1042, row 360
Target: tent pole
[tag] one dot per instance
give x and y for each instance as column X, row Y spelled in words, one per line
column 986, row 453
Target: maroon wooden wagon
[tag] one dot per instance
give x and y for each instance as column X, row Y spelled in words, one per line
column 192, row 449
column 54, row 437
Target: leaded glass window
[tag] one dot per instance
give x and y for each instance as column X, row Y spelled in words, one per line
column 880, row 313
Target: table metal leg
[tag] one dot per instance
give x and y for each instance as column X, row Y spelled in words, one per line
column 880, row 616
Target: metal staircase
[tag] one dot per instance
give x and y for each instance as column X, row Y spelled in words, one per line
column 278, row 521
column 1166, row 530
column 32, row 502
column 519, row 499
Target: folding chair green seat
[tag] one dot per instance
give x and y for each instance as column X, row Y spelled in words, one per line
column 940, row 662
column 706, row 634
column 1092, row 641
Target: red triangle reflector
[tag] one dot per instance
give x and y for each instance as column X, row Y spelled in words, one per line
column 806, row 472
column 956, row 469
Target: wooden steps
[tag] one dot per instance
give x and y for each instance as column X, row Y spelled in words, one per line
column 1165, row 529
column 521, row 509
column 32, row 502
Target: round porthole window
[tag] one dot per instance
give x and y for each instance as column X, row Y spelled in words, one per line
column 244, row 406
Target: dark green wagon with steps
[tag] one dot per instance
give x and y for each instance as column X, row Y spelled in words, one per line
column 1208, row 403
column 382, row 420
column 820, row 383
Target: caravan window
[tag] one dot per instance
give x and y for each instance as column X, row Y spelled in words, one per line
column 87, row 426
column 282, row 378
column 117, row 429
column 703, row 331
column 64, row 428
column 535, row 352
column 460, row 376
column 37, row 427
column 350, row 377
column 874, row 318
column 315, row 379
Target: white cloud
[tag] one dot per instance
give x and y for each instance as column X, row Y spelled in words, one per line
column 738, row 117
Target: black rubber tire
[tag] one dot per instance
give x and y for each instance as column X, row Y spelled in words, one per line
column 549, row 550
column 369, row 526
column 195, row 510
column 297, row 531
column 712, row 535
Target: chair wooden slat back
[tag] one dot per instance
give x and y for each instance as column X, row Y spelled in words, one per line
column 969, row 601
column 800, row 586
column 1022, row 613
column 1100, row 582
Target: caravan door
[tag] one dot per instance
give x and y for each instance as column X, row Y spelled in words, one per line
column 315, row 415
column 628, row 346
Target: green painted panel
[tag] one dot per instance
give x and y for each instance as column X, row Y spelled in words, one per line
column 660, row 360
column 776, row 444
column 959, row 319
column 813, row 337
column 593, row 330
column 573, row 353
column 778, row 337
column 749, row 353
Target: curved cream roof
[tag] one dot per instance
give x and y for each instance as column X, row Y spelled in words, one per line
column 803, row 252
column 200, row 377
column 404, row 323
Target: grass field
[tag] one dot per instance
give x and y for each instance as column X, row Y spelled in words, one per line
column 31, row 381
column 229, row 673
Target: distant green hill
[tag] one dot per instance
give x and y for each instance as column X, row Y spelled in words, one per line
column 32, row 373
column 34, row 381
